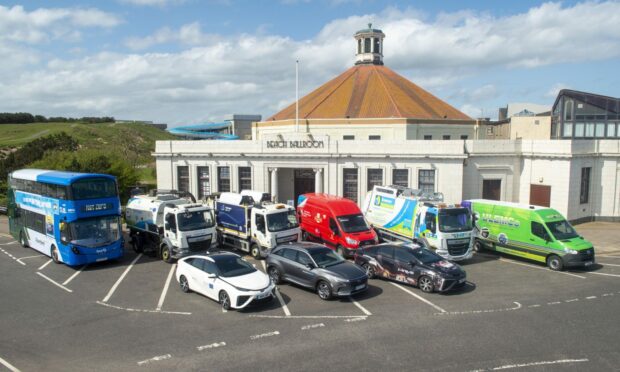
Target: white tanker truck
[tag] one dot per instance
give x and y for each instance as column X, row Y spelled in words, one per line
column 169, row 224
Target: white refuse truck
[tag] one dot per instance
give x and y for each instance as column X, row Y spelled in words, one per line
column 399, row 213
column 250, row 222
column 169, row 224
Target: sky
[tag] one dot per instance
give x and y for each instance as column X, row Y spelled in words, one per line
column 194, row 61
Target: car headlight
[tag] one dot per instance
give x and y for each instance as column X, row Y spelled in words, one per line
column 571, row 251
column 351, row 241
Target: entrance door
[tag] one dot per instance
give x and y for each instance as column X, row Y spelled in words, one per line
column 540, row 195
column 304, row 182
column 492, row 189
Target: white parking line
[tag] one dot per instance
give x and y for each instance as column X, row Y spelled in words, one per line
column 143, row 310
column 419, row 297
column 160, row 303
column 12, row 257
column 532, row 364
column 541, row 268
column 23, row 258
column 287, row 312
column 364, row 310
column 605, row 274
column 155, row 359
column 6, row 235
column 120, row 279
column 211, row 346
column 263, row 335
column 308, row 316
column 608, row 264
column 312, row 326
column 74, row 275
column 9, row 243
column 45, row 264
column 54, row 282
column 8, row 365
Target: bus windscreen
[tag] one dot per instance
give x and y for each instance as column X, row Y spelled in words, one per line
column 93, row 188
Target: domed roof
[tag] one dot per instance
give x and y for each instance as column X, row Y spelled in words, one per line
column 370, row 91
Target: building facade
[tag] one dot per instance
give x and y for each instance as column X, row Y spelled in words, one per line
column 581, row 115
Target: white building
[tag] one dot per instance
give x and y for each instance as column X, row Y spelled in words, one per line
column 344, row 143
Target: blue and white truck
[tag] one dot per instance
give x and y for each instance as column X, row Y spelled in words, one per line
column 402, row 214
column 248, row 221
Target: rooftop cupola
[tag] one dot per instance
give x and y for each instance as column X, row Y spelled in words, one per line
column 369, row 46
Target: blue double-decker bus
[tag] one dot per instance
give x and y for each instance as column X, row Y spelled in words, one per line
column 72, row 217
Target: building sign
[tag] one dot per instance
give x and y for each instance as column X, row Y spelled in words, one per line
column 296, row 144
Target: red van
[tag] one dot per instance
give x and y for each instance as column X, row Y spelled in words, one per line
column 337, row 222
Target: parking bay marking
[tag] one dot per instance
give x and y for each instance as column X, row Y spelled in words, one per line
column 8, row 365
column 13, row 257
column 419, row 297
column 608, row 264
column 287, row 312
column 120, row 279
column 155, row 359
column 23, row 258
column 312, row 326
column 533, row 364
column 143, row 310
column 211, row 346
column 54, row 282
column 263, row 335
column 604, row 274
column 165, row 290
column 308, row 316
column 541, row 268
column 74, row 275
column 364, row 310
column 44, row 265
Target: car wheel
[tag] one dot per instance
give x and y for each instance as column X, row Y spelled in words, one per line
column 370, row 270
column 166, row 255
column 22, row 240
column 54, row 254
column 224, row 300
column 184, row 284
column 425, row 283
column 478, row 246
column 340, row 251
column 274, row 275
column 555, row 263
column 255, row 251
column 323, row 290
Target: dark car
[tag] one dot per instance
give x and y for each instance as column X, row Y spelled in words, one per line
column 316, row 267
column 411, row 264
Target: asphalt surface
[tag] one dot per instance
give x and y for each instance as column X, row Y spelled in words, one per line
column 513, row 314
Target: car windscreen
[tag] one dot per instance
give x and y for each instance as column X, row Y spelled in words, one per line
column 282, row 221
column 325, row 257
column 454, row 219
column 190, row 221
column 93, row 188
column 425, row 256
column 353, row 223
column 229, row 266
column 562, row 230
column 93, row 232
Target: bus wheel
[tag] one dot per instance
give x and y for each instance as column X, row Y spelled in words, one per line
column 22, row 240
column 166, row 255
column 54, row 254
column 255, row 251
column 555, row 263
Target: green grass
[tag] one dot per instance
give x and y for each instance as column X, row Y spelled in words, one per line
column 128, row 139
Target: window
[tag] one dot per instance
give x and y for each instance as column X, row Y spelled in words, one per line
column 400, row 177
column 426, row 180
column 348, row 137
column 600, row 130
column 183, row 178
column 429, row 221
column 349, row 187
column 536, row 122
column 198, row 263
column 568, row 130
column 580, row 129
column 359, row 46
column 376, row 46
column 303, row 258
column 589, row 129
column 611, row 129
column 568, row 110
column 260, row 223
column 489, row 131
column 584, row 193
column 209, row 267
column 223, row 179
column 367, row 45
column 387, row 251
column 446, row 137
column 245, row 178
column 403, row 255
column 539, row 230
column 204, row 183
column 374, row 137
column 464, row 136
column 374, row 177
column 290, row 254
column 428, row 137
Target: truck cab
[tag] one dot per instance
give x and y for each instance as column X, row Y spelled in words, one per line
column 446, row 229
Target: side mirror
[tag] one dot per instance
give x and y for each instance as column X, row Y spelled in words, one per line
column 310, row 265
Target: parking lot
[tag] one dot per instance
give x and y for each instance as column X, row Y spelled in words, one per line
column 131, row 315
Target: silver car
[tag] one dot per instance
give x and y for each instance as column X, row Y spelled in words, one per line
column 316, row 267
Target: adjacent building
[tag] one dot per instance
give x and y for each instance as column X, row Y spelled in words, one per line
column 581, row 115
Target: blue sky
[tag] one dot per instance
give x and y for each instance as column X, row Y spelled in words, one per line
column 190, row 61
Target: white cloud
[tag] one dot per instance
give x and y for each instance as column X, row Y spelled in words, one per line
column 555, row 89
column 216, row 75
column 159, row 3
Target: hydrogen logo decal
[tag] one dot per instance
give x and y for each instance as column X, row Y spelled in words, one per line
column 210, row 285
column 502, row 239
column 484, row 232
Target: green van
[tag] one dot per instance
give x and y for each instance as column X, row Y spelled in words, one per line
column 538, row 233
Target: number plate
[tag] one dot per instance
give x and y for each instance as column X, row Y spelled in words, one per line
column 589, row 263
column 361, row 286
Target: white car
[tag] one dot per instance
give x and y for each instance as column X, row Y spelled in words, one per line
column 226, row 278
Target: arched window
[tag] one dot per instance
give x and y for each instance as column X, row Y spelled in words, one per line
column 568, row 109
